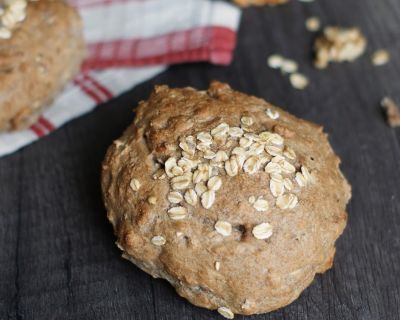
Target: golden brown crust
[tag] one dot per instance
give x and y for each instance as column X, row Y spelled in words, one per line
column 253, row 276
column 44, row 53
column 246, row 3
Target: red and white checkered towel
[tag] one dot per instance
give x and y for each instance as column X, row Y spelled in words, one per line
column 130, row 41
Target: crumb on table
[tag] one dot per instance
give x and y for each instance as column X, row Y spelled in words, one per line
column 392, row 112
column 338, row 44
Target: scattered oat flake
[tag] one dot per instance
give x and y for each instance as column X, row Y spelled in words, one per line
column 306, row 173
column 245, row 142
column 251, row 165
column 380, row 57
column 272, row 114
column 224, row 228
column 262, row 231
column 313, row 24
column 232, row 166
column 261, row 205
column 221, row 156
column 191, row 197
column 289, row 153
column 207, row 199
column 180, row 182
column 392, row 112
column 200, row 188
column 256, row 149
column 276, row 139
column 177, row 213
column 273, row 168
column 188, row 146
column 289, row 66
column 135, row 184
column 158, row 240
column 169, row 165
column 199, row 175
column 235, row 132
column 273, row 150
column 220, row 130
column 252, row 199
column 247, row 121
column 275, row 61
column 276, row 186
column 299, row 81
column 152, row 200
column 217, row 265
column 214, row 183
column 288, row 184
column 287, row 201
column 205, row 137
column 177, row 171
column 301, row 181
column 226, row 312
column 287, row 167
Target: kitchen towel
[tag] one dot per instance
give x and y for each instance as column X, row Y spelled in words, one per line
column 129, row 42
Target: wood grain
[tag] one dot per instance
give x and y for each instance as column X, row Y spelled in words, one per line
column 57, row 254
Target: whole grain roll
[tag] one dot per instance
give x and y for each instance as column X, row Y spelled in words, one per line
column 234, row 201
column 38, row 56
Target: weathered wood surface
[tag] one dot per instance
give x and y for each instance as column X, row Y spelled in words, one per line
column 57, row 254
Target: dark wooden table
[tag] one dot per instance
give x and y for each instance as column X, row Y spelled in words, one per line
column 57, row 254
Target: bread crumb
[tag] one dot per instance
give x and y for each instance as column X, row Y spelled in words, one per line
column 392, row 112
column 338, row 44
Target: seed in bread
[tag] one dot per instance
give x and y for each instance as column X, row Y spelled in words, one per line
column 271, row 202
